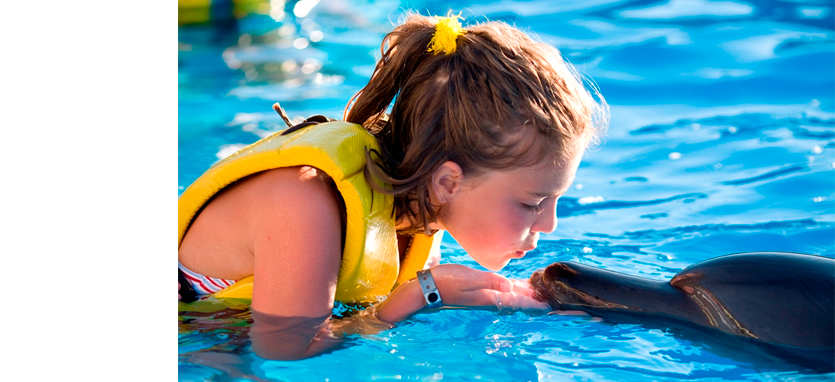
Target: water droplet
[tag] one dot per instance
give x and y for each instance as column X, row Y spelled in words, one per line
column 732, row 129
column 674, row 156
column 717, row 166
column 587, row 250
column 277, row 14
column 316, row 36
column 580, row 186
column 311, row 65
column 696, row 126
column 289, row 66
column 817, row 149
column 818, row 199
column 301, row 43
column 815, row 103
column 286, row 30
column 304, row 7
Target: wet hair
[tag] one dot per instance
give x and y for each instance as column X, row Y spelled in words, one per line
column 501, row 100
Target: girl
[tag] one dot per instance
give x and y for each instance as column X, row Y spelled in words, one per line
column 486, row 130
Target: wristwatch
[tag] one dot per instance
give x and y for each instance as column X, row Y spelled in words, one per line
column 429, row 290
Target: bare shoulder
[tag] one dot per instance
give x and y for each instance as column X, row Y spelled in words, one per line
column 289, row 179
column 221, row 240
column 300, row 192
column 296, row 239
column 280, row 199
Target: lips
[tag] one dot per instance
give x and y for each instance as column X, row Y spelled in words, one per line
column 521, row 254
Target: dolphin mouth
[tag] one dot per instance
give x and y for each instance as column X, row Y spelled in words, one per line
column 550, row 287
column 771, row 304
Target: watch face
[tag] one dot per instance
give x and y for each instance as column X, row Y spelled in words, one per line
column 432, row 297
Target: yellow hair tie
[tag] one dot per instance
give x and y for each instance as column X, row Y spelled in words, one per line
column 447, row 30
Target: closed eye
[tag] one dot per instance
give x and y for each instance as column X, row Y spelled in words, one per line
column 533, row 208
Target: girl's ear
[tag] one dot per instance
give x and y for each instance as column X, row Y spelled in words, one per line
column 446, row 182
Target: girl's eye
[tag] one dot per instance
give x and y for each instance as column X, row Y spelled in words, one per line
column 531, row 208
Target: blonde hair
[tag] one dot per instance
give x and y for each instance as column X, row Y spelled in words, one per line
column 477, row 107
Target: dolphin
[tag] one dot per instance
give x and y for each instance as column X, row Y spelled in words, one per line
column 767, row 303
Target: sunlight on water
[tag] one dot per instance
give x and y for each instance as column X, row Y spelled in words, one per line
column 676, row 9
column 722, row 140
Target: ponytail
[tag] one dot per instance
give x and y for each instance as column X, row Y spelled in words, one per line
column 404, row 50
column 497, row 100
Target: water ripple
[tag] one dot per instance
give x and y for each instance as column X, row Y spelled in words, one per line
column 687, row 230
column 766, row 176
column 725, row 104
column 572, row 206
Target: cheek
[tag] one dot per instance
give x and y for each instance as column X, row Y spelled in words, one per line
column 488, row 227
column 513, row 223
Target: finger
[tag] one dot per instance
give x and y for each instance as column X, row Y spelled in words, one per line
column 522, row 287
column 492, row 281
column 481, row 297
column 520, row 301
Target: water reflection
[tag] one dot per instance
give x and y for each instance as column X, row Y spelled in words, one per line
column 722, row 141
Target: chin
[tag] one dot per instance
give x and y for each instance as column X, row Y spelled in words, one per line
column 495, row 267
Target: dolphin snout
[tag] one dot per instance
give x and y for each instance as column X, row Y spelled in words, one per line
column 557, row 271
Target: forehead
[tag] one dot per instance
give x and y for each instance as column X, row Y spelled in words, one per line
column 546, row 178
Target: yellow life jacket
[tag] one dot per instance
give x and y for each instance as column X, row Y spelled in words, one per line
column 205, row 11
column 370, row 265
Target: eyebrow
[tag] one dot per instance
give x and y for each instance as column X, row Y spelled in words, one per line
column 548, row 194
column 555, row 193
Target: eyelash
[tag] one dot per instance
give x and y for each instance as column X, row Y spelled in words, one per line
column 531, row 208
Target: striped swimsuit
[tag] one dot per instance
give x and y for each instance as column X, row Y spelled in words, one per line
column 203, row 284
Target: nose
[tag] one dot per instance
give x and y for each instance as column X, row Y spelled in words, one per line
column 546, row 221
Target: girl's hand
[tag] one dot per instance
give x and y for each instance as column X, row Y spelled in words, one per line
column 463, row 286
column 459, row 286
column 521, row 297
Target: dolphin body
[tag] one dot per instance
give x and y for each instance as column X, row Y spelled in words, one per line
column 766, row 303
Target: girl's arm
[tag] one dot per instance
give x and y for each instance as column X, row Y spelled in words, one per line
column 460, row 285
column 297, row 242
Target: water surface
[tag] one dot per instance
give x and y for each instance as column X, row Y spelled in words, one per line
column 722, row 140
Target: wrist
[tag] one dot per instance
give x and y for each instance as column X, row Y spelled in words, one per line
column 403, row 302
column 431, row 295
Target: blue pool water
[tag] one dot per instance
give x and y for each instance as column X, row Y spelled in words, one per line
column 722, row 140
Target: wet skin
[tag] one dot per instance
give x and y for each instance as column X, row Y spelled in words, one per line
column 781, row 302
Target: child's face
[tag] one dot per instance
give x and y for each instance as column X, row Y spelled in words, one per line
column 498, row 216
